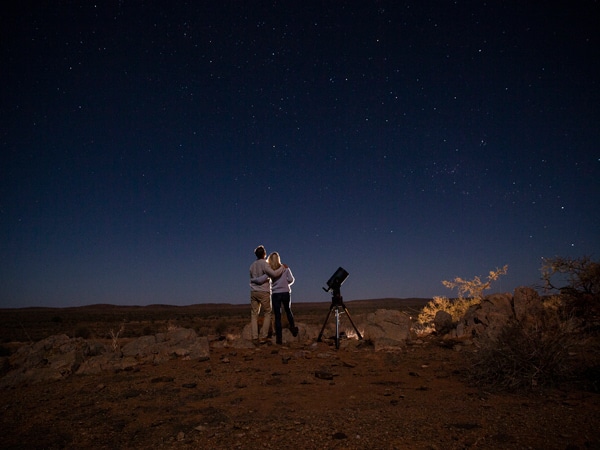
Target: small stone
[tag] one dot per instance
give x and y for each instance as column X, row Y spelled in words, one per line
column 323, row 375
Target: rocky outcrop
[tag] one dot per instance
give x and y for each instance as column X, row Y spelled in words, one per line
column 179, row 342
column 494, row 312
column 53, row 358
column 59, row 356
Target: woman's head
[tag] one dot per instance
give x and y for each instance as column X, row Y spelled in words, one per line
column 274, row 261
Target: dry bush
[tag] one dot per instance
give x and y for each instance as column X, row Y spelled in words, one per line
column 578, row 281
column 115, row 337
column 582, row 274
column 455, row 307
column 528, row 355
column 470, row 292
column 221, row 327
column 475, row 288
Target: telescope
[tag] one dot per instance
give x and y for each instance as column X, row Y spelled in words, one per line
column 334, row 284
column 337, row 279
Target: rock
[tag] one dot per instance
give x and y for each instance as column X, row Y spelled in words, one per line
column 53, row 358
column 139, row 347
column 389, row 324
column 59, row 356
column 100, row 363
column 385, row 344
column 323, row 375
column 488, row 317
column 527, row 305
column 442, row 322
column 179, row 342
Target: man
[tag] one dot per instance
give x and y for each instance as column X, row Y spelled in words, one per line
column 260, row 294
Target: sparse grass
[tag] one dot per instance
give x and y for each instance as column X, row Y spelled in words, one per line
column 114, row 335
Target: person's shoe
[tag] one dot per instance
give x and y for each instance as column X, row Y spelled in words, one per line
column 263, row 341
column 278, row 341
column 294, row 331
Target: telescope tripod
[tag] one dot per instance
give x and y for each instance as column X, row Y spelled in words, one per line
column 337, row 305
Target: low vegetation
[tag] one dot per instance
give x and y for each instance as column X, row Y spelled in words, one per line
column 559, row 345
column 577, row 280
column 527, row 355
column 470, row 292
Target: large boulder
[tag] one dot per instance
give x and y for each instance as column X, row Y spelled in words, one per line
column 488, row 317
column 389, row 325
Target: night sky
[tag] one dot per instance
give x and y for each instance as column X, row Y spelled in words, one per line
column 148, row 147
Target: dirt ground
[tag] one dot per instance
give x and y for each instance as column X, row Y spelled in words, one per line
column 304, row 395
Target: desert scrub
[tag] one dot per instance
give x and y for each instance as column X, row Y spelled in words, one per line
column 455, row 307
column 578, row 282
column 470, row 292
column 527, row 355
column 221, row 327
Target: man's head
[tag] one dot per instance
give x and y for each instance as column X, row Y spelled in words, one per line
column 260, row 252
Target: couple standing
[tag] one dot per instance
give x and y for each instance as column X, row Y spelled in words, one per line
column 266, row 277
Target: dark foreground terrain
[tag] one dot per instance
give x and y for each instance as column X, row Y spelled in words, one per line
column 305, row 395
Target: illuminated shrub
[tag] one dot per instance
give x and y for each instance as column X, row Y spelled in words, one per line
column 470, row 292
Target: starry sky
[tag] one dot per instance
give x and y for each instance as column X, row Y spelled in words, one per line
column 147, row 147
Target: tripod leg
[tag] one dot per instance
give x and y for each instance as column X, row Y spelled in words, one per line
column 355, row 329
column 337, row 327
column 324, row 324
